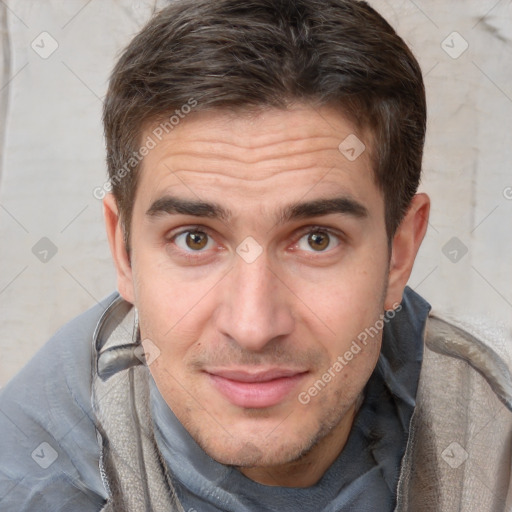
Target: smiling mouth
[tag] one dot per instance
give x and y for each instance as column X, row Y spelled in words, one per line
column 255, row 390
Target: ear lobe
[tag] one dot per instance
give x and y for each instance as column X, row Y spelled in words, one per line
column 405, row 246
column 115, row 236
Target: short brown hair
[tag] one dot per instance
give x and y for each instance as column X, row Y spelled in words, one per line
column 271, row 53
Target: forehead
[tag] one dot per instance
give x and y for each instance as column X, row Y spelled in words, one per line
column 261, row 155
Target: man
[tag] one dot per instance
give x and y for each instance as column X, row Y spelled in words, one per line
column 263, row 351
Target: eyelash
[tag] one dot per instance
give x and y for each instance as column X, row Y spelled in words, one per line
column 194, row 255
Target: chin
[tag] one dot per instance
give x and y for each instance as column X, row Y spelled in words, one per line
column 257, row 449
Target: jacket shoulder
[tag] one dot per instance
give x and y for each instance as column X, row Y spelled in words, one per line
column 49, row 447
column 458, row 455
column 446, row 338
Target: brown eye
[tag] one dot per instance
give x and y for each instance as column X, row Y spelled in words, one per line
column 193, row 241
column 318, row 241
column 196, row 240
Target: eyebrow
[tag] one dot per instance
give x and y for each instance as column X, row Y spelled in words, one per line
column 174, row 205
column 346, row 205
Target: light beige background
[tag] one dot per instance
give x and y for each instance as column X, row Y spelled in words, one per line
column 52, row 158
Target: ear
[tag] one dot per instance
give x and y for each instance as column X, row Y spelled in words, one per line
column 115, row 236
column 406, row 242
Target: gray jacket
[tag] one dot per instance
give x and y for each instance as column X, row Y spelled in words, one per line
column 458, row 456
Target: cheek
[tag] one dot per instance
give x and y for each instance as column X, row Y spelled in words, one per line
column 335, row 386
column 173, row 314
column 347, row 299
column 350, row 305
column 162, row 294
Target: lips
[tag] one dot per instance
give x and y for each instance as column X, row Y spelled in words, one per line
column 255, row 389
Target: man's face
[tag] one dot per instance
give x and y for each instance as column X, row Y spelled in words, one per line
column 259, row 253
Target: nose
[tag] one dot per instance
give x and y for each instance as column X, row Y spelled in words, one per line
column 255, row 306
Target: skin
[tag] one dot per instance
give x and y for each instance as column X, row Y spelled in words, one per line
column 297, row 306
